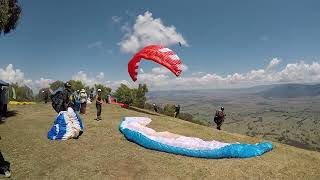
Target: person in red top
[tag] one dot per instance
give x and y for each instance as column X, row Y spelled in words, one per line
column 219, row 117
column 98, row 105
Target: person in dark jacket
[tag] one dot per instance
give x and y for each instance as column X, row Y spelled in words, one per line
column 45, row 96
column 155, row 108
column 177, row 111
column 68, row 99
column 219, row 117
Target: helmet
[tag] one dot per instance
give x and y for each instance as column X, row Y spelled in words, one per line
column 99, row 90
column 67, row 84
column 222, row 108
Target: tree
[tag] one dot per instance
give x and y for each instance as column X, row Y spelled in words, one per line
column 76, row 85
column 41, row 94
column 139, row 94
column 9, row 15
column 23, row 93
column 56, row 85
column 104, row 90
column 169, row 109
column 124, row 94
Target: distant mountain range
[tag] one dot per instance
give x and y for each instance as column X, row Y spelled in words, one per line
column 266, row 91
column 291, row 91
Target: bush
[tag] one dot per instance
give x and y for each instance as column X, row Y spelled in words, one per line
column 135, row 96
column 23, row 93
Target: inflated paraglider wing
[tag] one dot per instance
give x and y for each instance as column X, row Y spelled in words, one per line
column 159, row 54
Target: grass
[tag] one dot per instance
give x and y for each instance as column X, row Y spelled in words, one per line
column 102, row 152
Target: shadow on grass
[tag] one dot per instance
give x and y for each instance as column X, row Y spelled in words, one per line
column 142, row 111
column 9, row 114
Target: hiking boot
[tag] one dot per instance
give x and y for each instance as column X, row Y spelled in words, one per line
column 7, row 174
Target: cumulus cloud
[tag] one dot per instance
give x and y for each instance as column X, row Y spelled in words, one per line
column 11, row 75
column 148, row 30
column 98, row 79
column 273, row 63
column 161, row 79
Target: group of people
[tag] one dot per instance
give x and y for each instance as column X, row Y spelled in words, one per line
column 218, row 117
column 76, row 100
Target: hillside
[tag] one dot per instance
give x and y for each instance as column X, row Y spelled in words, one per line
column 103, row 153
column 288, row 118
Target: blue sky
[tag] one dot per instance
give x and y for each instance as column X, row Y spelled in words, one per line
column 57, row 39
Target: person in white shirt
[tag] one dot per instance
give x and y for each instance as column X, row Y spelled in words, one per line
column 83, row 101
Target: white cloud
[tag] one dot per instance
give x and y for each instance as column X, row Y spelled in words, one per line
column 100, row 75
column 146, row 31
column 99, row 79
column 162, row 79
column 11, row 75
column 97, row 44
column 273, row 63
column 116, row 19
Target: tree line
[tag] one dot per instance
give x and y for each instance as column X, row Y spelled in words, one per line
column 132, row 96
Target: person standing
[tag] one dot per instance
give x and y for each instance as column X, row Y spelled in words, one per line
column 1, row 102
column 155, row 108
column 68, row 99
column 76, row 96
column 83, row 101
column 5, row 100
column 177, row 111
column 98, row 105
column 219, row 117
column 46, row 96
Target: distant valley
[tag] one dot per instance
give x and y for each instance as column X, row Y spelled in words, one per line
column 288, row 113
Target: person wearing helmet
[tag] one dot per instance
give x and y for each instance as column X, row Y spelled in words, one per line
column 98, row 105
column 219, row 117
column 68, row 99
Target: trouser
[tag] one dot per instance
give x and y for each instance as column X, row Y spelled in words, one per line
column 4, row 165
column 83, row 108
column 5, row 110
column 1, row 109
column 98, row 106
column 219, row 122
column 176, row 114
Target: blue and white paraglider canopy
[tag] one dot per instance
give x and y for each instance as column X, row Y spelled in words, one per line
column 135, row 130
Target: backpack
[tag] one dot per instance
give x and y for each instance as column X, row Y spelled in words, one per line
column 57, row 101
column 218, row 116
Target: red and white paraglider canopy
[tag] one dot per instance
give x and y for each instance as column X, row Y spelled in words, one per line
column 158, row 54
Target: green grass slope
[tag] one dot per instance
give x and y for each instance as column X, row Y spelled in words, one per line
column 102, row 152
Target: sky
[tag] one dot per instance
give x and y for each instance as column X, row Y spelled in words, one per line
column 225, row 43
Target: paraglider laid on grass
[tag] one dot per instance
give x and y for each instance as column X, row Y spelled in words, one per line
column 159, row 54
column 135, row 130
column 67, row 125
column 111, row 100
